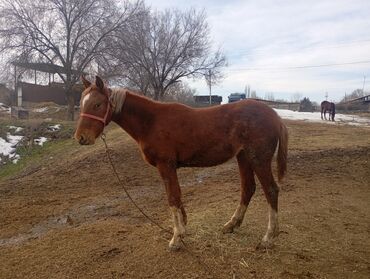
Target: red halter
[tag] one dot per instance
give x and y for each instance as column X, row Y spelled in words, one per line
column 101, row 119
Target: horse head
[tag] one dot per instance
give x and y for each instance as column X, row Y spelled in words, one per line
column 95, row 111
column 332, row 111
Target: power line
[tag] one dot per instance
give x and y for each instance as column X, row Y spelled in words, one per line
column 261, row 51
column 267, row 68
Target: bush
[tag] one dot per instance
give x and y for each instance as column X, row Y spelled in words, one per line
column 306, row 105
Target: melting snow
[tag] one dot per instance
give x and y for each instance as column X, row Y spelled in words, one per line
column 40, row 141
column 316, row 117
column 44, row 109
column 4, row 108
column 8, row 147
column 16, row 129
column 13, row 139
column 54, row 128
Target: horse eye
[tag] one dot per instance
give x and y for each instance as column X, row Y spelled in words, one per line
column 97, row 105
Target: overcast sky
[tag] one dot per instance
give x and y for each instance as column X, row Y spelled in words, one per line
column 283, row 46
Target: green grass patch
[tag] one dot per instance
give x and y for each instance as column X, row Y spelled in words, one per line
column 35, row 156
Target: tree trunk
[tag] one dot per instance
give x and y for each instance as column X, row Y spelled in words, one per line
column 70, row 105
column 158, row 93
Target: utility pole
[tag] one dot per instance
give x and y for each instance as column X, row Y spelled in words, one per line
column 363, row 85
column 326, row 95
column 210, row 86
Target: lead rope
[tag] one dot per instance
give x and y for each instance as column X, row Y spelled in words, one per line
column 202, row 263
column 124, row 188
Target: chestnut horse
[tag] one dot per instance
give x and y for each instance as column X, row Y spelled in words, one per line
column 328, row 107
column 172, row 135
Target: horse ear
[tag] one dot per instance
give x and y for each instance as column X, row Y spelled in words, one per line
column 99, row 83
column 85, row 82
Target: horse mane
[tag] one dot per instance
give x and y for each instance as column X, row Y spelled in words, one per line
column 117, row 98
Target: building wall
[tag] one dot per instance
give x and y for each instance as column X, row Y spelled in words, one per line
column 354, row 106
column 281, row 105
column 203, row 100
column 5, row 95
column 34, row 93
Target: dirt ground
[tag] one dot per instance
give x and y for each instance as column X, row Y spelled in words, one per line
column 67, row 217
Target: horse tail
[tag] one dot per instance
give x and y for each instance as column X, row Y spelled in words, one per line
column 282, row 154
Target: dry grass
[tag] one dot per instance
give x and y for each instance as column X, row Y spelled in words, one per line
column 76, row 222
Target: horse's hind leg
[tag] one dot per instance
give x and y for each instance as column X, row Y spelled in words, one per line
column 271, row 191
column 248, row 187
column 169, row 176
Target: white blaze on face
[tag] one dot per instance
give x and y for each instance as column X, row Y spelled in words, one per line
column 85, row 99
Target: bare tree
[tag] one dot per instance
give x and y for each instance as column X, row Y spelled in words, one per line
column 354, row 95
column 269, row 96
column 213, row 77
column 180, row 92
column 164, row 47
column 68, row 33
column 247, row 91
column 254, row 94
column 296, row 97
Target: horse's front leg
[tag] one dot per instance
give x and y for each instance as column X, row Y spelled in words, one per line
column 169, row 176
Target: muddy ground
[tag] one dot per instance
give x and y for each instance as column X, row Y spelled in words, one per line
column 66, row 216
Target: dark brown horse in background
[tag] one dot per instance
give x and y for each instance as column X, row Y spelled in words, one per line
column 328, row 107
column 172, row 135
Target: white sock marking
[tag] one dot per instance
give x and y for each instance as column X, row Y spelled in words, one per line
column 178, row 226
column 272, row 225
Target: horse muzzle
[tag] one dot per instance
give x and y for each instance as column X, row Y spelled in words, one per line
column 84, row 140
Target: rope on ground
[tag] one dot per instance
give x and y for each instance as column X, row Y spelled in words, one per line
column 124, row 188
column 201, row 262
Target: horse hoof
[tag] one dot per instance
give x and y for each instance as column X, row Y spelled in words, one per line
column 174, row 247
column 238, row 223
column 228, row 229
column 263, row 245
column 175, row 244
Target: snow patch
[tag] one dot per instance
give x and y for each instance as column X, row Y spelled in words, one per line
column 16, row 129
column 54, row 128
column 12, row 139
column 15, row 158
column 8, row 147
column 40, row 141
column 316, row 117
column 4, row 108
column 44, row 109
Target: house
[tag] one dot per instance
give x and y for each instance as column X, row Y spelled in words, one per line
column 5, row 95
column 233, row 97
column 33, row 92
column 207, row 100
